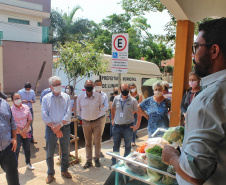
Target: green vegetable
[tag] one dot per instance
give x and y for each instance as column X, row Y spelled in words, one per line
column 171, row 169
column 166, row 180
column 174, row 134
column 156, row 150
column 154, row 176
column 154, row 158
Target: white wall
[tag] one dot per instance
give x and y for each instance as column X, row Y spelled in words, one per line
column 20, row 32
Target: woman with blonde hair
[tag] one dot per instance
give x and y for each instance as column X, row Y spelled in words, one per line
column 134, row 93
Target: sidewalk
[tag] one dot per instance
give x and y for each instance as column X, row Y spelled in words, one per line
column 90, row 176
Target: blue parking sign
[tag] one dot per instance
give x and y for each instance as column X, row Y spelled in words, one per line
column 115, row 55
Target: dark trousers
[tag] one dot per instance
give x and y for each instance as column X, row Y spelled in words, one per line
column 127, row 133
column 9, row 163
column 32, row 123
column 26, row 146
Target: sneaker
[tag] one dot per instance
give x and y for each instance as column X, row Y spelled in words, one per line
column 97, row 163
column 111, row 139
column 102, row 155
column 30, row 167
column 87, row 165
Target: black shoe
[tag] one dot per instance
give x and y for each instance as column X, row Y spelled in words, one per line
column 102, row 155
column 97, row 163
column 87, row 165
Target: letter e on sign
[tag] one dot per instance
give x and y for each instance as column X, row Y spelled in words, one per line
column 120, row 43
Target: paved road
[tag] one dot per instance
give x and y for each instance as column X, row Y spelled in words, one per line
column 38, row 152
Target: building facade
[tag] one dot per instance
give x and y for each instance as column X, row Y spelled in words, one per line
column 24, row 36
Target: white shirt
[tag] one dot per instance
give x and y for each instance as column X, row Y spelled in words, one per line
column 89, row 108
column 105, row 103
column 204, row 143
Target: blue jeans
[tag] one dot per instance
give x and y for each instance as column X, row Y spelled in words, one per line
column 26, row 146
column 9, row 164
column 51, row 141
column 127, row 133
column 135, row 132
column 31, row 110
column 111, row 127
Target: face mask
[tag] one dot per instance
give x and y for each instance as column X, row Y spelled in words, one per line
column 193, row 84
column 157, row 93
column 67, row 91
column 89, row 89
column 133, row 90
column 17, row 102
column 98, row 88
column 116, row 92
column 27, row 91
column 125, row 93
column 57, row 89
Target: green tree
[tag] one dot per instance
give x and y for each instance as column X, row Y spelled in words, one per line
column 140, row 7
column 80, row 59
column 67, row 28
column 169, row 69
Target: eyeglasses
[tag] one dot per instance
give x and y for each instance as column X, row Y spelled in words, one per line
column 195, row 47
column 55, row 85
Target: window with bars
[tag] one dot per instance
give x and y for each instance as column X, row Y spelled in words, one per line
column 18, row 21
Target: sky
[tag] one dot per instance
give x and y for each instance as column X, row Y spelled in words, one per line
column 97, row 10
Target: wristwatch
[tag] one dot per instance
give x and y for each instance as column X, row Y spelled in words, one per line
column 61, row 124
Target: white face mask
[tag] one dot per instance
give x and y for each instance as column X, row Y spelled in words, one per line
column 17, row 102
column 27, row 91
column 193, row 84
column 57, row 89
column 133, row 90
column 98, row 88
column 157, row 93
column 67, row 91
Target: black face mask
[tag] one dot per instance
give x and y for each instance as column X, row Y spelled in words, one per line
column 116, row 92
column 89, row 89
column 125, row 93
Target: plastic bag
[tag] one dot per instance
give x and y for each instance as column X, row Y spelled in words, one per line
column 139, row 157
column 175, row 136
column 154, row 176
column 151, row 142
column 155, row 159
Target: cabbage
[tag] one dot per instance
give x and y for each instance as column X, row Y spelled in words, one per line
column 174, row 135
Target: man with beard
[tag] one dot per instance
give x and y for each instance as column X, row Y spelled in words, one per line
column 89, row 105
column 203, row 156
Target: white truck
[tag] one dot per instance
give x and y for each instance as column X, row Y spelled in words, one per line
column 138, row 72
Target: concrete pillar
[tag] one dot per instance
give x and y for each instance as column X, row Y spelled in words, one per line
column 182, row 67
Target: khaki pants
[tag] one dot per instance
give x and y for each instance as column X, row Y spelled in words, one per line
column 89, row 129
column 103, row 121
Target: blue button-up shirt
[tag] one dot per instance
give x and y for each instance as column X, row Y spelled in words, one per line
column 56, row 108
column 7, row 124
column 44, row 92
column 27, row 96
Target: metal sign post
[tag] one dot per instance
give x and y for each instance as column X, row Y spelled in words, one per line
column 120, row 54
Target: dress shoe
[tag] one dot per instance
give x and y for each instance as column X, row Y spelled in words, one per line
column 66, row 174
column 97, row 163
column 87, row 165
column 49, row 179
column 102, row 155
